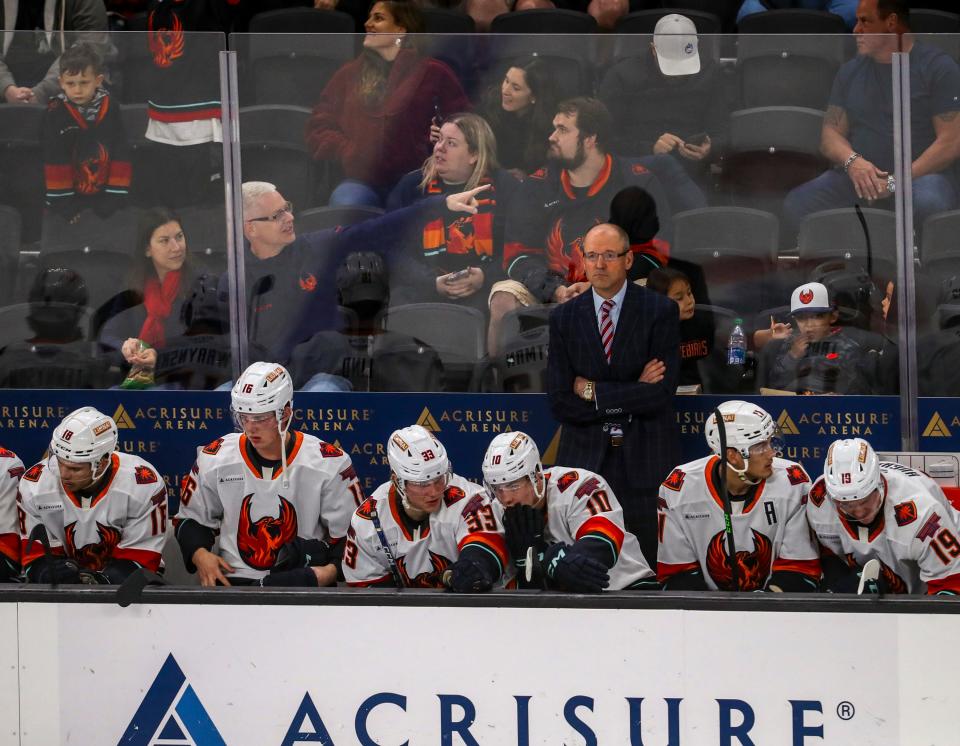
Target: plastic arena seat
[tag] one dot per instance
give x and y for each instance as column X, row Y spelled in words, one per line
column 793, row 21
column 839, row 234
column 10, row 236
column 20, row 154
column 272, row 148
column 521, row 364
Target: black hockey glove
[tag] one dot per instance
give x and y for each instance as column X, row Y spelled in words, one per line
column 54, row 570
column 574, row 571
column 300, row 577
column 468, row 575
column 523, row 526
column 302, row 552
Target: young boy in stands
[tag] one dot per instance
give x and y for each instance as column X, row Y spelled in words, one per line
column 819, row 357
column 85, row 160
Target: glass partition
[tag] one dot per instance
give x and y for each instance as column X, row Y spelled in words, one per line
column 112, row 212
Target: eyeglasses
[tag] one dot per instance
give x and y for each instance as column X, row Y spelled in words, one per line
column 608, row 256
column 287, row 209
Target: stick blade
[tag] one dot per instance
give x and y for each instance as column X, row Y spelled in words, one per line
column 871, row 571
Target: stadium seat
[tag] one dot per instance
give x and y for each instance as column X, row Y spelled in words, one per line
column 839, row 234
column 14, row 327
column 447, row 21
column 272, row 148
column 319, row 218
column 206, row 231
column 793, row 21
column 117, row 232
column 941, row 28
column 939, row 249
column 20, row 154
column 293, row 69
column 103, row 272
column 9, row 249
column 524, row 341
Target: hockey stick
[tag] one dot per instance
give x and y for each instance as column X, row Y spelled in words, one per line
column 727, row 507
column 870, row 573
column 382, row 538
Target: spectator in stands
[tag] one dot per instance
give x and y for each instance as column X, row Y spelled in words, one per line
column 520, row 112
column 669, row 103
column 289, row 296
column 41, row 31
column 696, row 329
column 57, row 355
column 846, row 9
column 374, row 115
column 149, row 311
column 10, row 473
column 820, row 357
column 456, row 260
column 561, row 202
column 85, row 154
column 857, row 136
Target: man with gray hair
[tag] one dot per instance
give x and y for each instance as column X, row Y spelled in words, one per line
column 290, row 293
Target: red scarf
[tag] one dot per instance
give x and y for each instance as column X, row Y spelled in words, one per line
column 158, row 300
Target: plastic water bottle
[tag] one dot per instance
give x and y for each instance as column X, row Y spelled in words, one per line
column 737, row 344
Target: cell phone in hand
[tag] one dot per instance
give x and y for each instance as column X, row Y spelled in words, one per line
column 698, row 139
column 454, row 276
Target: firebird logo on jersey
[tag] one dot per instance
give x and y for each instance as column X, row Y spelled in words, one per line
column 818, row 492
column 460, row 236
column 752, row 567
column 213, row 447
column 308, row 282
column 329, row 450
column 675, row 480
column 638, row 169
column 797, row 475
column 566, row 479
column 92, row 172
column 144, row 475
column 367, row 508
column 432, row 578
column 166, row 45
column 92, row 556
column 33, row 473
column 453, row 495
column 259, row 541
column 905, row 513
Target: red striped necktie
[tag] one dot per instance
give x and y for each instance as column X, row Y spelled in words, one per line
column 606, row 327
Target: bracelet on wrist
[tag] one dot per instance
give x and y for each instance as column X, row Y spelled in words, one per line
column 850, row 159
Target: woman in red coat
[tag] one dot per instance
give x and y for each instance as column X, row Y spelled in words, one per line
column 374, row 115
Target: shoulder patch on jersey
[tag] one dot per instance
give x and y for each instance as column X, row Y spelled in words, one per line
column 473, row 505
column 797, row 475
column 566, row 479
column 453, row 495
column 637, row 168
column 588, row 487
column 818, row 493
column 16, row 471
column 540, row 173
column 212, row 448
column 329, row 450
column 905, row 513
column 675, row 480
column 6, row 453
column 33, row 473
column 144, row 475
column 366, row 508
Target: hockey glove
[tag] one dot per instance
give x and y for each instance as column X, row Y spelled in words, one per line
column 302, row 553
column 54, row 570
column 300, row 577
column 523, row 526
column 574, row 571
column 468, row 575
column 851, row 583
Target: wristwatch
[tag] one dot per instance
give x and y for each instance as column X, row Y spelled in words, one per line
column 891, row 184
column 587, row 393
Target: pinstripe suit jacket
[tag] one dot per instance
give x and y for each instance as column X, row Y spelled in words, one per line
column 648, row 328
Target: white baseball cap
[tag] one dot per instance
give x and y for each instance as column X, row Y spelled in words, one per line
column 675, row 42
column 810, row 298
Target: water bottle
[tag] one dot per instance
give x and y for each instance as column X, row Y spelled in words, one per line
column 737, row 344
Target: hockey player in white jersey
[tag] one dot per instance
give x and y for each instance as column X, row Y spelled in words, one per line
column 863, row 509
column 11, row 469
column 104, row 514
column 279, row 499
column 427, row 527
column 564, row 528
column 774, row 549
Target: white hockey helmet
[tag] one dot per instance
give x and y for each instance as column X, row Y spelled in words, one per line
column 512, row 456
column 262, row 387
column 746, row 425
column 415, row 455
column 851, row 470
column 84, row 436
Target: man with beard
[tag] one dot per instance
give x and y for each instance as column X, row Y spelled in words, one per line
column 560, row 203
column 280, row 500
column 863, row 509
column 102, row 513
column 425, row 528
column 774, row 549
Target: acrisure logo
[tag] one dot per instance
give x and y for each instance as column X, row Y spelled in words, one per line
column 171, row 713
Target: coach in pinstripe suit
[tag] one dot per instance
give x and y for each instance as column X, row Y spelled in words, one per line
column 612, row 374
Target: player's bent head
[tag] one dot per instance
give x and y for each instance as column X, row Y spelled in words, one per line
column 419, row 468
column 512, row 471
column 82, row 444
column 851, row 474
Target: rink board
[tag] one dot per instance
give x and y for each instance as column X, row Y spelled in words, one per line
column 389, row 675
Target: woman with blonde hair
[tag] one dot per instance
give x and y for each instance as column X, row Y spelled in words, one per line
column 455, row 258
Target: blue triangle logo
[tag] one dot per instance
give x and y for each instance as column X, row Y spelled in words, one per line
column 171, row 714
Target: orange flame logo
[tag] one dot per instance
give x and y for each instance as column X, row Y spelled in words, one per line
column 752, row 567
column 166, row 45
column 95, row 555
column 259, row 541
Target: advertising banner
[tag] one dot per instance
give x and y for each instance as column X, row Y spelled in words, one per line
column 165, row 427
column 386, row 676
